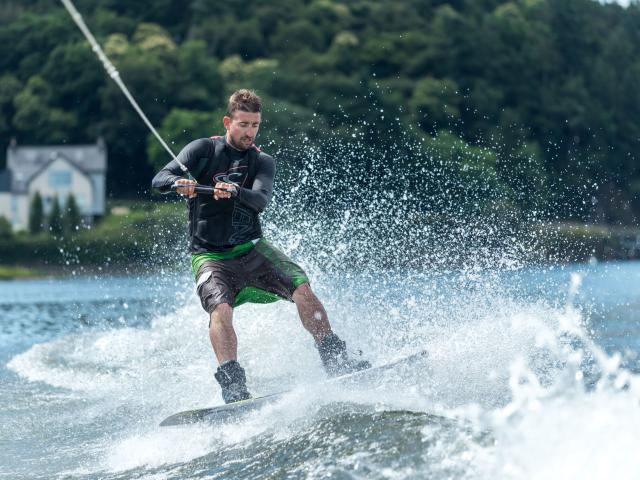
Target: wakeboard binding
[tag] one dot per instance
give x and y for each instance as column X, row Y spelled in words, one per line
column 231, row 377
column 336, row 359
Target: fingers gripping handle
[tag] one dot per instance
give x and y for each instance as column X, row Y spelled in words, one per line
column 204, row 189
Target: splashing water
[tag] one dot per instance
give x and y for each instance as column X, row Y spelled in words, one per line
column 516, row 385
column 409, row 251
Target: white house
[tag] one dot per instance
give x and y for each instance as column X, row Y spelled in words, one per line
column 53, row 171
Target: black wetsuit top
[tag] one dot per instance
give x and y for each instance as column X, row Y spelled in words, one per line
column 219, row 225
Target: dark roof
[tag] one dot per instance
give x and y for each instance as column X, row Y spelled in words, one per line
column 27, row 161
column 5, row 181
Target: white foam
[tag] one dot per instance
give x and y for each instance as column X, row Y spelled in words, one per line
column 160, row 447
column 586, row 436
column 512, row 367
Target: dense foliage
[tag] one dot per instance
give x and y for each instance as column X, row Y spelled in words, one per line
column 139, row 231
column 36, row 214
column 537, row 99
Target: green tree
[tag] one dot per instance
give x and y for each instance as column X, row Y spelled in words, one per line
column 77, row 75
column 178, row 128
column 151, row 76
column 9, row 88
column 154, row 38
column 435, row 103
column 26, row 41
column 258, row 73
column 299, row 35
column 549, row 86
column 468, row 173
column 37, row 118
column 6, row 231
column 55, row 218
column 199, row 84
column 244, row 38
column 286, row 125
column 71, row 218
column 36, row 214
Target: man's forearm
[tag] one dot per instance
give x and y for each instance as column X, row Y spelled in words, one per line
column 165, row 178
column 255, row 199
column 258, row 196
column 188, row 156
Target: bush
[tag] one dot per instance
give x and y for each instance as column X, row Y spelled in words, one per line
column 5, row 228
column 55, row 218
column 71, row 218
column 36, row 214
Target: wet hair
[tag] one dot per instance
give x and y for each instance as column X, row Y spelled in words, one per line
column 244, row 101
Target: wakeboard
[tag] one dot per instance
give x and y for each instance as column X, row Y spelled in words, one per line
column 233, row 411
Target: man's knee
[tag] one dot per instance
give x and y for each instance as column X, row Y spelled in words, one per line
column 222, row 313
column 303, row 291
column 304, row 297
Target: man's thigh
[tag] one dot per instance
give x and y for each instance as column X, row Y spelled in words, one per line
column 269, row 269
column 217, row 283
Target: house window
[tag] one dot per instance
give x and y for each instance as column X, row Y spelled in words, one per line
column 59, row 178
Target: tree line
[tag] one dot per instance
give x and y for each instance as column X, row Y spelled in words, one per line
column 533, row 101
column 61, row 219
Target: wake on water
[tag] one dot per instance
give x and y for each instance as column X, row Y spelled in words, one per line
column 527, row 391
column 531, row 395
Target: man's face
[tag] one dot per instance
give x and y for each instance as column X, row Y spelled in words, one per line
column 242, row 129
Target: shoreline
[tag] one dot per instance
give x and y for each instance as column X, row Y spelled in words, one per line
column 15, row 273
column 120, row 245
column 28, row 272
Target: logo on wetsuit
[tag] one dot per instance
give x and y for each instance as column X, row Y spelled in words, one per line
column 231, row 176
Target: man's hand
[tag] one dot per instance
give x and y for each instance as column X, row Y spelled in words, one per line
column 218, row 194
column 188, row 190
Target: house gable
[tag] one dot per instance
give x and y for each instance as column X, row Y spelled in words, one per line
column 25, row 164
column 59, row 178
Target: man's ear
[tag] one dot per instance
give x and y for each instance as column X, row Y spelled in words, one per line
column 226, row 121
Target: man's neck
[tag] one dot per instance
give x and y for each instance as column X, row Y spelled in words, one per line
column 232, row 145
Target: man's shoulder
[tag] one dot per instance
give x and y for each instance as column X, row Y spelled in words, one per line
column 265, row 161
column 262, row 155
column 200, row 145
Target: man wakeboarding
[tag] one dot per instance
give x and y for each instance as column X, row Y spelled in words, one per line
column 231, row 260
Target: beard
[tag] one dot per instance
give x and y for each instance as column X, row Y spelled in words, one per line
column 242, row 143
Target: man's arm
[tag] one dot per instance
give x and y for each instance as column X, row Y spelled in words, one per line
column 258, row 196
column 189, row 157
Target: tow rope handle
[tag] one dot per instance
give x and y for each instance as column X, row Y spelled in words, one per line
column 204, row 189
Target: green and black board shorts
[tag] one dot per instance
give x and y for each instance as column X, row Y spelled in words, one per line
column 264, row 274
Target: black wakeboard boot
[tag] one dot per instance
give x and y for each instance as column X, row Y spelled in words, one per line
column 335, row 359
column 230, row 375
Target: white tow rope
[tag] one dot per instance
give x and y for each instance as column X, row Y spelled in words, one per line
column 113, row 73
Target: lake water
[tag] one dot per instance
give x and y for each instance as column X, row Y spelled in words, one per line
column 532, row 373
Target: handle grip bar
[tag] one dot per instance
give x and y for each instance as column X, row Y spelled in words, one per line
column 202, row 189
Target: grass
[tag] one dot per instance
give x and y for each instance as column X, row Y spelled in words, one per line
column 142, row 230
column 570, row 242
column 10, row 272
